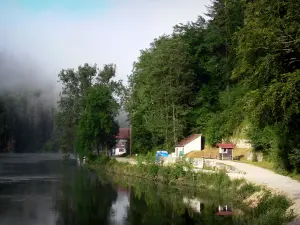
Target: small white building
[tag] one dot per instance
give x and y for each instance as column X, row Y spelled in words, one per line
column 191, row 143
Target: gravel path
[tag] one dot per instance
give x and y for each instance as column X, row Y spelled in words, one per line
column 266, row 177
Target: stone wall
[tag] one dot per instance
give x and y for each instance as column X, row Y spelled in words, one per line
column 241, row 143
column 251, row 156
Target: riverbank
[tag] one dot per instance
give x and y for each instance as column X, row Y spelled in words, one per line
column 270, row 207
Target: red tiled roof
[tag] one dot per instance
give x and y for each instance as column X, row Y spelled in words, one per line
column 124, row 133
column 226, row 145
column 188, row 139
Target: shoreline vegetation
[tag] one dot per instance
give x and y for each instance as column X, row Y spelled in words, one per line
column 255, row 204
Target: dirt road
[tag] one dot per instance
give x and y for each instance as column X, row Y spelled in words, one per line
column 270, row 179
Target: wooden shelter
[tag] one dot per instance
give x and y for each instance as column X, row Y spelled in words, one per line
column 226, row 151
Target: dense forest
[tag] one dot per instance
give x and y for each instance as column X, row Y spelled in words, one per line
column 26, row 122
column 234, row 74
column 27, row 107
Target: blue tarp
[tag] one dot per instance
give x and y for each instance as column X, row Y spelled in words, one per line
column 160, row 154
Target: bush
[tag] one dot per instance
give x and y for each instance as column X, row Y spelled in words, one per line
column 66, row 156
column 102, row 159
column 149, row 158
column 152, row 170
column 91, row 157
column 254, row 157
column 272, row 210
column 294, row 157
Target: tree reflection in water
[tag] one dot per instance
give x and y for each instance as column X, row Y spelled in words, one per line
column 84, row 200
column 150, row 204
column 87, row 199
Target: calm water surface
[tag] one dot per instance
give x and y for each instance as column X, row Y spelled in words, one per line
column 42, row 189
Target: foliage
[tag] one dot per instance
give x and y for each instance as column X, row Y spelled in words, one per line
column 26, row 120
column 87, row 108
column 162, row 88
column 236, row 73
column 148, row 158
column 102, row 159
column 79, row 200
column 295, row 159
column 212, row 189
column 96, row 127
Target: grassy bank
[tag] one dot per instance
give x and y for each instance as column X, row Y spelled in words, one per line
column 272, row 208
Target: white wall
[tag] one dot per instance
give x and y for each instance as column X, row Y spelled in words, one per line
column 194, row 145
column 117, row 150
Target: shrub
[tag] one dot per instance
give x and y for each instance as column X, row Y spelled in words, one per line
column 91, row 157
column 153, row 170
column 149, row 158
column 66, row 156
column 272, row 210
column 294, row 157
column 102, row 159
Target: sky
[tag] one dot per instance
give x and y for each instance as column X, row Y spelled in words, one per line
column 50, row 35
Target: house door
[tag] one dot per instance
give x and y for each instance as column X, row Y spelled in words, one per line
column 181, row 153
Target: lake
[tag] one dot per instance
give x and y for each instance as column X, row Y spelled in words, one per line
column 42, row 189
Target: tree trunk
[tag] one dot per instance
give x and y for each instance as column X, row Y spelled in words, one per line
column 174, row 125
column 98, row 147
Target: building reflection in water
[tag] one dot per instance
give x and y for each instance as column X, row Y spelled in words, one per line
column 198, row 206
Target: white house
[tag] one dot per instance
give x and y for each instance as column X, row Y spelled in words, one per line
column 191, row 143
column 122, row 141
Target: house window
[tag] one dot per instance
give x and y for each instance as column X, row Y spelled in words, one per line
column 122, row 144
column 121, row 150
column 225, row 150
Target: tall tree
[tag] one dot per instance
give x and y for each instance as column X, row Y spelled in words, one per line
column 268, row 53
column 161, row 90
column 97, row 128
column 72, row 97
column 75, row 84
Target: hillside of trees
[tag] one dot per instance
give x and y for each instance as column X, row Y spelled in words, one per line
column 236, row 73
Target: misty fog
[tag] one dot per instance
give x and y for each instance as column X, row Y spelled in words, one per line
column 28, row 100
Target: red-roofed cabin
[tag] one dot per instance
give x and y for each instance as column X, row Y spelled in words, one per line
column 226, row 150
column 122, row 141
column 191, row 143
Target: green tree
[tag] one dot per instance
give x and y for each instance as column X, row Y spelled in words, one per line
column 96, row 127
column 234, row 75
column 72, row 104
column 268, row 52
column 75, row 84
column 161, row 91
